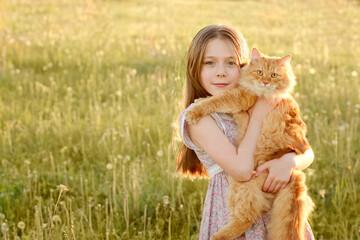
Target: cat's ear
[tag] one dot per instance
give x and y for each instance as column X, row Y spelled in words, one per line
column 255, row 54
column 285, row 60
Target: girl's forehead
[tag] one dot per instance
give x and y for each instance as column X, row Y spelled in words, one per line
column 220, row 47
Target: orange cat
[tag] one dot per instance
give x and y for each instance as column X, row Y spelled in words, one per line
column 283, row 131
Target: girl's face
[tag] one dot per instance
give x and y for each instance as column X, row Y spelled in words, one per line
column 220, row 70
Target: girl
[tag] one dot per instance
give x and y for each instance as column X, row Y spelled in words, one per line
column 213, row 66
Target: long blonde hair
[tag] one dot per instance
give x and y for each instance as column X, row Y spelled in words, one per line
column 187, row 162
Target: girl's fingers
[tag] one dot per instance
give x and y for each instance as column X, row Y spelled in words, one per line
column 267, row 184
column 272, row 186
column 277, row 188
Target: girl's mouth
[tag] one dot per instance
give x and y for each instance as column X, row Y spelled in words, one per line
column 220, row 84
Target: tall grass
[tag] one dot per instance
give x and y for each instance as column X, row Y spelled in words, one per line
column 89, row 96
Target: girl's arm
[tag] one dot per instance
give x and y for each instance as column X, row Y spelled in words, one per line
column 280, row 169
column 237, row 162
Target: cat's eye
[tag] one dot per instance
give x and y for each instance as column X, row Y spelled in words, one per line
column 274, row 75
column 259, row 72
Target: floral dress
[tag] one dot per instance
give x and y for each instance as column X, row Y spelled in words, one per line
column 216, row 213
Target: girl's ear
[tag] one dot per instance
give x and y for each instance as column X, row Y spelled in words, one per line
column 285, row 60
column 255, row 54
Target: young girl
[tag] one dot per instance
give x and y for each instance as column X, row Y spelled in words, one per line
column 213, row 66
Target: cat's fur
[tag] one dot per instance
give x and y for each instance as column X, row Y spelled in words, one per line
column 283, row 131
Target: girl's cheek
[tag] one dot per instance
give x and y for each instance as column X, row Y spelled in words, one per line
column 206, row 74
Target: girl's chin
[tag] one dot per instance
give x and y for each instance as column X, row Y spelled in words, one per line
column 219, row 91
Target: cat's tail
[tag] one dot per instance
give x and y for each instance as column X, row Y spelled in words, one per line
column 291, row 208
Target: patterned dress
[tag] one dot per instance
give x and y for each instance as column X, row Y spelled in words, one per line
column 216, row 213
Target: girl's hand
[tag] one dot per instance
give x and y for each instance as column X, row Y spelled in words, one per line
column 279, row 172
column 262, row 107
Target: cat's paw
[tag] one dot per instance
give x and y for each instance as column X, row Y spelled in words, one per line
column 192, row 117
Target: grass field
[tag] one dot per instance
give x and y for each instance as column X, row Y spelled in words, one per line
column 89, row 98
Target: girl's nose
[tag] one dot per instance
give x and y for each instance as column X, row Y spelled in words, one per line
column 221, row 75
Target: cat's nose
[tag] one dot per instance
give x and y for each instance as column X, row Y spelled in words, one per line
column 265, row 83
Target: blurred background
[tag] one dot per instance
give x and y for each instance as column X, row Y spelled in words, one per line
column 90, row 93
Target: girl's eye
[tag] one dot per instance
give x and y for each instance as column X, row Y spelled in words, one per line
column 274, row 75
column 209, row 63
column 231, row 63
column 259, row 72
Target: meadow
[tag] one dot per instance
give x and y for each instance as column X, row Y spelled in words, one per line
column 90, row 92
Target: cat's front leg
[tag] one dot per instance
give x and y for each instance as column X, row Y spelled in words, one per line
column 233, row 101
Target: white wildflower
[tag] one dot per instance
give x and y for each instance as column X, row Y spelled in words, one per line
column 160, row 153
column 62, row 187
column 109, row 166
column 166, row 200
column 127, row 158
column 21, row 225
column 4, row 227
column 133, row 72
column 312, row 71
column 310, row 171
column 354, row 73
column 322, row 192
column 56, row 219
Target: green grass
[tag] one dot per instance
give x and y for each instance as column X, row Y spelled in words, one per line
column 90, row 94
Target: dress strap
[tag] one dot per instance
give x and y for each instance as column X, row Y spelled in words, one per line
column 184, row 131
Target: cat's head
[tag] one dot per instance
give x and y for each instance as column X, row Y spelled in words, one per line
column 268, row 76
